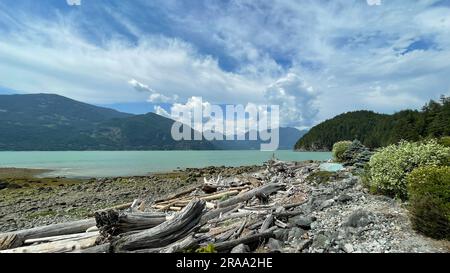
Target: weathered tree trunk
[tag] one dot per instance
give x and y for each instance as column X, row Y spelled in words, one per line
column 228, row 245
column 17, row 238
column 266, row 190
column 190, row 242
column 104, row 248
column 165, row 233
column 113, row 222
column 216, row 213
column 72, row 245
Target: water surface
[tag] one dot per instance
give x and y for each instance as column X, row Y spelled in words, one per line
column 135, row 163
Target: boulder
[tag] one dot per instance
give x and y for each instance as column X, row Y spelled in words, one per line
column 240, row 249
column 359, row 218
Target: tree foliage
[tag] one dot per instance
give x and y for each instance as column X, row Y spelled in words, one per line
column 379, row 130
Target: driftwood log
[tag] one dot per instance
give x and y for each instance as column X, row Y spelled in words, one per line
column 164, row 234
column 70, row 245
column 243, row 197
column 112, row 222
column 17, row 238
column 258, row 237
column 189, row 242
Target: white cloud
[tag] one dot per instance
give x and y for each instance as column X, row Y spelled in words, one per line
column 314, row 58
column 296, row 100
column 73, row 2
column 374, row 2
column 154, row 96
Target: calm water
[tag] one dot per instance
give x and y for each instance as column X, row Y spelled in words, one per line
column 129, row 163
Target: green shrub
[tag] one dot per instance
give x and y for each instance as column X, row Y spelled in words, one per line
column 389, row 166
column 339, row 148
column 445, row 141
column 429, row 194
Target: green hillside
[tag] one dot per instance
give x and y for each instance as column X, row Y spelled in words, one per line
column 377, row 130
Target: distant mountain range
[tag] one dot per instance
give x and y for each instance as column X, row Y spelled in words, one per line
column 51, row 122
column 378, row 130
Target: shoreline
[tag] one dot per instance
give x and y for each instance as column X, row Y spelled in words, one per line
column 27, row 200
column 325, row 211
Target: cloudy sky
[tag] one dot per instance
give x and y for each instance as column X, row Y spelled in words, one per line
column 314, row 58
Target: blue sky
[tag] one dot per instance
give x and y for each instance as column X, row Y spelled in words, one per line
column 314, row 58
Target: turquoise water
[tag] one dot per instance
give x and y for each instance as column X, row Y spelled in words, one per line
column 331, row 167
column 135, row 163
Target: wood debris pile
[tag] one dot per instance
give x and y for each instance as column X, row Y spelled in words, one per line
column 232, row 214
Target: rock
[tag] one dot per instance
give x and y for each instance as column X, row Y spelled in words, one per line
column 359, row 218
column 320, row 242
column 240, row 249
column 326, row 204
column 274, row 245
column 344, row 198
column 303, row 222
column 281, row 234
column 295, row 233
column 348, row 248
column 303, row 244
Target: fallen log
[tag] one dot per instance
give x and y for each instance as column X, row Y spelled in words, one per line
column 104, row 248
column 267, row 223
column 165, row 233
column 289, row 206
column 216, row 213
column 190, row 242
column 112, row 222
column 61, row 238
column 17, row 238
column 266, row 190
column 287, row 214
column 58, row 246
column 228, row 245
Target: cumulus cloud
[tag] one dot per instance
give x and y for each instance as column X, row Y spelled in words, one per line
column 73, row 2
column 154, row 97
column 374, row 2
column 309, row 57
column 295, row 98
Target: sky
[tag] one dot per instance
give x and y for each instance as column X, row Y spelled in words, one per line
column 313, row 58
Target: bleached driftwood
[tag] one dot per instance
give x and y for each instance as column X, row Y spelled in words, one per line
column 165, row 233
column 228, row 245
column 113, row 222
column 263, row 190
column 70, row 245
column 17, row 238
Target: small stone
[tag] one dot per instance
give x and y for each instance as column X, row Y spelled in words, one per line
column 304, row 222
column 295, row 233
column 240, row 249
column 274, row 245
column 348, row 248
column 281, row 234
column 326, row 204
column 359, row 218
column 344, row 198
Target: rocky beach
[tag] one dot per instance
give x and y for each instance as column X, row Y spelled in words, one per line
column 306, row 210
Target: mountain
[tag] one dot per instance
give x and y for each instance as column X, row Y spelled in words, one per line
column 378, row 130
column 144, row 132
column 52, row 122
column 288, row 138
